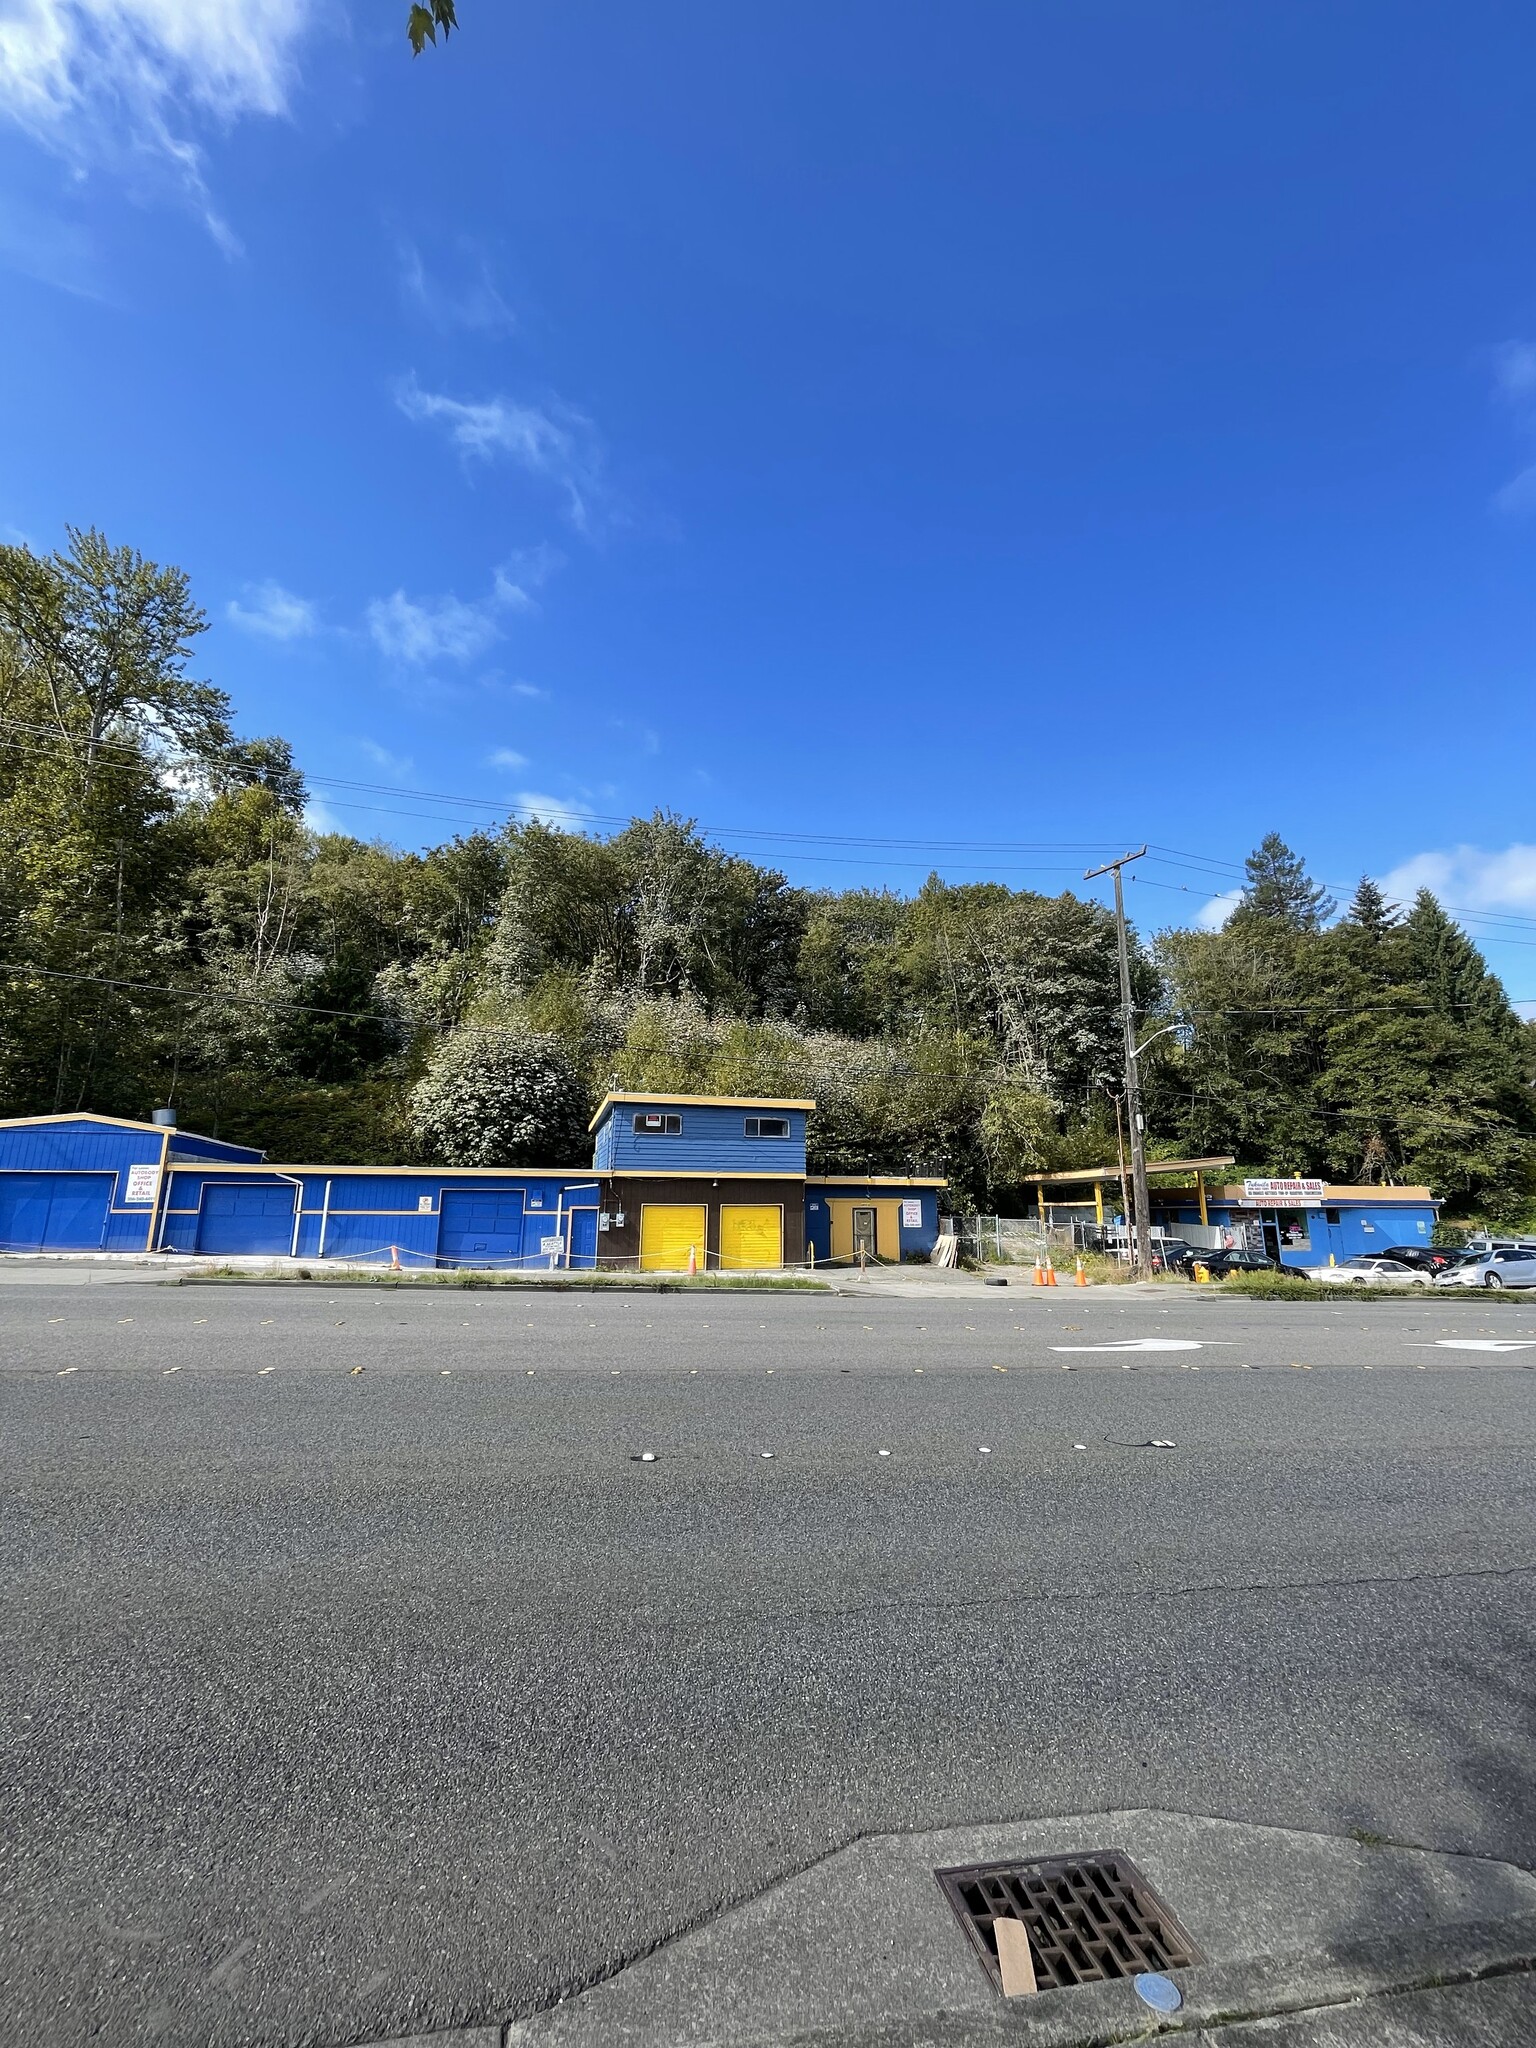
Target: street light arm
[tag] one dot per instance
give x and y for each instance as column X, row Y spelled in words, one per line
column 1140, row 1049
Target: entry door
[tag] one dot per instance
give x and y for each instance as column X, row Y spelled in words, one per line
column 1271, row 1239
column 864, row 1239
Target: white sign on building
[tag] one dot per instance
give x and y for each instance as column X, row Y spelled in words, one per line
column 912, row 1215
column 1289, row 1191
column 141, row 1183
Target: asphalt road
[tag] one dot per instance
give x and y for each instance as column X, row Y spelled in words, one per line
column 341, row 1703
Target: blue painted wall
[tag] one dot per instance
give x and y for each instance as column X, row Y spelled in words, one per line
column 713, row 1140
column 369, row 1213
column 1362, row 1228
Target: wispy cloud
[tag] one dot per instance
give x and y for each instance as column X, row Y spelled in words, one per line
column 509, row 758
column 472, row 302
column 1514, row 386
column 1210, row 917
column 526, row 690
column 551, row 440
column 421, row 630
column 1468, row 878
column 120, row 82
column 401, row 766
column 564, row 813
column 273, row 612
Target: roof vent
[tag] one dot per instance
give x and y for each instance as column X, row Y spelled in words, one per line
column 165, row 1118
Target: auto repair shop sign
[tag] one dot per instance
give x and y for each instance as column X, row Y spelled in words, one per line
column 1287, row 1192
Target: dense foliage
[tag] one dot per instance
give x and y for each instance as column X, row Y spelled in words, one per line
column 171, row 929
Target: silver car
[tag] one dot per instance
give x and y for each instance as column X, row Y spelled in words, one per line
column 1512, row 1268
column 1364, row 1272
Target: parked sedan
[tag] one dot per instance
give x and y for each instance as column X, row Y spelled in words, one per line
column 1220, row 1263
column 1497, row 1269
column 1370, row 1273
column 1424, row 1258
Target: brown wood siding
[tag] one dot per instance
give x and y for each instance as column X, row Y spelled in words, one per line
column 621, row 1247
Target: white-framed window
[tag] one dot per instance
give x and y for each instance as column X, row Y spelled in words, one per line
column 658, row 1123
column 766, row 1126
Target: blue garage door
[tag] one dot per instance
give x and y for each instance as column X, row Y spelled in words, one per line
column 481, row 1227
column 54, row 1212
column 246, row 1218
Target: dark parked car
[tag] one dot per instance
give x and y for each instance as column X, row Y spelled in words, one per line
column 1171, row 1255
column 1220, row 1263
column 1427, row 1258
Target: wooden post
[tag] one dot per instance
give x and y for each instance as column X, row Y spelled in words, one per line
column 1200, row 1185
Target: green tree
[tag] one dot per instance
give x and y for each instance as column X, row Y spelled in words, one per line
column 1279, row 889
column 500, row 1096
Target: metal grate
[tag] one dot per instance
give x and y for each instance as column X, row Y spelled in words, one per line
column 1089, row 1918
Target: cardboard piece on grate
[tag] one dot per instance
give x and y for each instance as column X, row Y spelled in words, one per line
column 1013, row 1957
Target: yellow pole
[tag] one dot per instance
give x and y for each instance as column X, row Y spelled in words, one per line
column 1098, row 1203
column 1200, row 1184
column 1040, row 1198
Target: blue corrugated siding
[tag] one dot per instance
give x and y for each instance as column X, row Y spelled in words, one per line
column 602, row 1151
column 185, row 1146
column 712, row 1140
column 75, row 1148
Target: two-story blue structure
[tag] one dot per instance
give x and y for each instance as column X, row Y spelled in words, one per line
column 717, row 1183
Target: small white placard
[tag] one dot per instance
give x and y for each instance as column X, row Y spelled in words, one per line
column 551, row 1244
column 911, row 1215
column 141, row 1183
column 424, row 1205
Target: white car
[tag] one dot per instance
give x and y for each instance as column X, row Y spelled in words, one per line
column 1512, row 1268
column 1364, row 1272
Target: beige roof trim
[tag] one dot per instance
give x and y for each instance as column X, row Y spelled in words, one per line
column 875, row 1180
column 662, row 1100
column 1154, row 1167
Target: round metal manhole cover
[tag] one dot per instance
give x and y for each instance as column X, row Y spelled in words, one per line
column 1158, row 1991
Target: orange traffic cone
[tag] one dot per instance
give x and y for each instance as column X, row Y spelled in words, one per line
column 1039, row 1279
column 1050, row 1274
column 693, row 1262
column 1082, row 1275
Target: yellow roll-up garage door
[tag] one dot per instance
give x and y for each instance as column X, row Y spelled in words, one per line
column 667, row 1229
column 751, row 1234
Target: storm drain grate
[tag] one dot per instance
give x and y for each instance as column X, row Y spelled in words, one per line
column 1089, row 1918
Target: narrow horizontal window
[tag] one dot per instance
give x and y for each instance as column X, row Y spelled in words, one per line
column 657, row 1123
column 767, row 1126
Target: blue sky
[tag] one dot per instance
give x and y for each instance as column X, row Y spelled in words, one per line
column 1007, row 432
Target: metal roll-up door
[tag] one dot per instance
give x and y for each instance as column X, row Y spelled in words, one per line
column 751, row 1235
column 246, row 1218
column 54, row 1212
column 667, row 1232
column 481, row 1226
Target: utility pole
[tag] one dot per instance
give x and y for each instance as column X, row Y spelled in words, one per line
column 1132, row 1080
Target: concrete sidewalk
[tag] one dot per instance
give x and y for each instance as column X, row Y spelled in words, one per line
column 1311, row 1941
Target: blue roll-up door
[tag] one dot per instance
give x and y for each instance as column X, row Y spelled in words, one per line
column 54, row 1212
column 481, row 1226
column 247, row 1218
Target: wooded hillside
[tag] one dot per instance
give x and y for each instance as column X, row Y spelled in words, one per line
column 171, row 930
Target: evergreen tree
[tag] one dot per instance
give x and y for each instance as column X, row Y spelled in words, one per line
column 1280, row 890
column 1370, row 912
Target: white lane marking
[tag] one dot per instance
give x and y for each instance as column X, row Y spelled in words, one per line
column 64, row 1375
column 1137, row 1344
column 1483, row 1344
column 262, row 1371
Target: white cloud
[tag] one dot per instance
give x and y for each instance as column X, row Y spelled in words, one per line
column 1210, row 917
column 552, row 440
column 526, row 690
column 1468, row 878
column 319, row 816
column 564, row 813
column 473, row 304
column 114, row 81
column 507, row 757
column 400, row 765
column 1519, row 494
column 1514, row 383
column 274, row 613
column 419, row 631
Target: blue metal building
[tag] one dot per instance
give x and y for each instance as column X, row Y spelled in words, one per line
column 677, row 1182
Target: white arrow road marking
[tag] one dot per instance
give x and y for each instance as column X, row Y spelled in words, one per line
column 1484, row 1344
column 1137, row 1344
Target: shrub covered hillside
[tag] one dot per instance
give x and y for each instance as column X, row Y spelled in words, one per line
column 172, row 930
